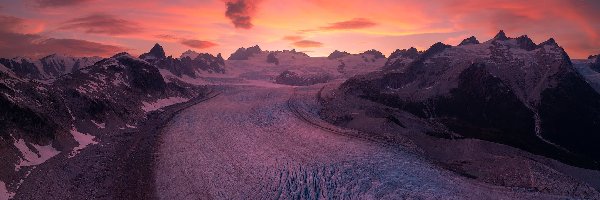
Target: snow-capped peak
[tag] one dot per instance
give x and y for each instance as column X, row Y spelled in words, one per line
column 190, row 54
column 500, row 36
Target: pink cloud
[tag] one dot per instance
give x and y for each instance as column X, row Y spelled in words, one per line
column 292, row 38
column 198, row 44
column 59, row 3
column 307, row 43
column 14, row 43
column 356, row 23
column 102, row 24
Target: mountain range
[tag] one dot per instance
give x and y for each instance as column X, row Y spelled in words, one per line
column 505, row 90
column 508, row 91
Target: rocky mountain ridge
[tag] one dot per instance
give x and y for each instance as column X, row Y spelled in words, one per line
column 44, row 119
column 506, row 90
column 47, row 68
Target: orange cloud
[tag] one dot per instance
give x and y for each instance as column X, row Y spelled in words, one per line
column 292, row 38
column 356, row 23
column 307, row 43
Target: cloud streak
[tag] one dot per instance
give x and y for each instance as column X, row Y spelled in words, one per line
column 59, row 3
column 240, row 12
column 13, row 43
column 198, row 44
column 102, row 24
column 292, row 38
column 356, row 23
column 307, row 44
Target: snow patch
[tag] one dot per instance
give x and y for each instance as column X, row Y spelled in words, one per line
column 83, row 139
column 4, row 193
column 31, row 158
column 99, row 125
column 161, row 103
column 130, row 126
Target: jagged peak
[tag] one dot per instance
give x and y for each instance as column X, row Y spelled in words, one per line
column 255, row 47
column 377, row 54
column 468, row 41
column 500, row 36
column 120, row 54
column 435, row 49
column 337, row 54
column 244, row 53
column 526, row 43
column 550, row 42
column 439, row 45
column 337, row 51
column 189, row 53
column 21, row 58
column 157, row 52
column 411, row 53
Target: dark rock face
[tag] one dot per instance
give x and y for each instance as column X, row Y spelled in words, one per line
column 337, row 54
column 482, row 106
column 525, row 43
column 271, row 58
column 22, row 67
column 486, row 103
column 142, row 75
column 468, row 41
column 156, row 53
column 550, row 42
column 596, row 64
column 292, row 78
column 376, row 54
column 244, row 54
column 500, row 36
column 21, row 121
column 570, row 114
column 492, row 97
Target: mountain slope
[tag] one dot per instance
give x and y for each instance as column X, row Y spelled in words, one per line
column 506, row 90
column 81, row 108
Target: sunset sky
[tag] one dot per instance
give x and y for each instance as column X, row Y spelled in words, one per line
column 37, row 28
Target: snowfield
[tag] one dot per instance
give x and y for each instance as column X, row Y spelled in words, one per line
column 4, row 193
column 161, row 103
column 83, row 139
column 32, row 158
